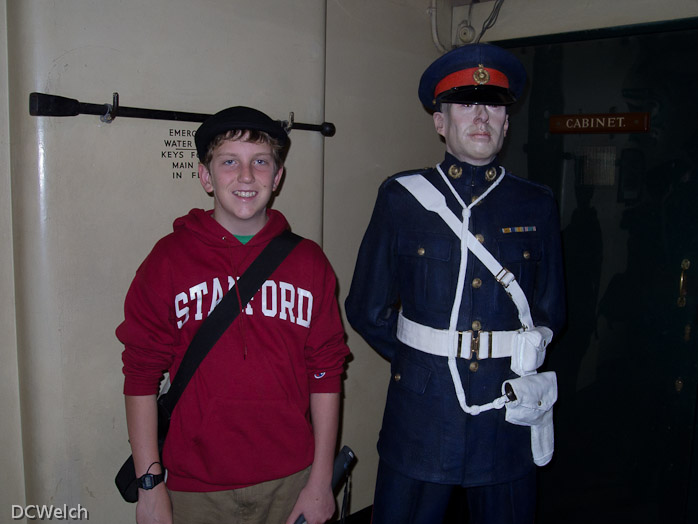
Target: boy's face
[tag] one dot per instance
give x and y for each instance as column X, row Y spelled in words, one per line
column 242, row 177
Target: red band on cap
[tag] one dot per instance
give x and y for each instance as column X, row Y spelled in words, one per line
column 466, row 77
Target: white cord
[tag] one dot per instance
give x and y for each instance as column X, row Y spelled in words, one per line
column 434, row 29
column 490, row 20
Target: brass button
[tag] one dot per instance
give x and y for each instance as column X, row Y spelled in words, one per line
column 421, row 251
column 474, row 366
column 490, row 174
column 397, row 377
column 480, row 238
column 474, row 198
column 678, row 384
column 526, row 255
column 477, row 283
column 455, row 171
column 476, row 325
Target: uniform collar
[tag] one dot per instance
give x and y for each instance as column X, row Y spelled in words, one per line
column 467, row 176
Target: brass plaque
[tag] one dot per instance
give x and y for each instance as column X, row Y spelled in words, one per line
column 600, row 123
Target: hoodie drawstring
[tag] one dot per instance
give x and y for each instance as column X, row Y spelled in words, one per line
column 241, row 316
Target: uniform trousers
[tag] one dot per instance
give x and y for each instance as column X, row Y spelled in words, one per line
column 408, row 501
column 265, row 503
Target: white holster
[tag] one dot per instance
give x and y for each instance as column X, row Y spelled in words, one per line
column 533, row 406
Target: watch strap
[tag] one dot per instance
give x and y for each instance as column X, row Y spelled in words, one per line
column 150, row 480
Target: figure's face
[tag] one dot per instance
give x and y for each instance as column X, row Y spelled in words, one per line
column 242, row 177
column 474, row 133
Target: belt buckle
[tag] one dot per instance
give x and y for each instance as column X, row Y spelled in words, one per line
column 475, row 346
column 504, row 277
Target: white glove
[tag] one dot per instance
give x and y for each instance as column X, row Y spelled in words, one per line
column 528, row 352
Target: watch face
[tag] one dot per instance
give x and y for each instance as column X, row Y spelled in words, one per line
column 148, row 482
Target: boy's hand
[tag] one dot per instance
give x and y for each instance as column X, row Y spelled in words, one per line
column 154, row 506
column 316, row 504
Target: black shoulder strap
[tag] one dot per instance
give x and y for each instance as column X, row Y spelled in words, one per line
column 226, row 311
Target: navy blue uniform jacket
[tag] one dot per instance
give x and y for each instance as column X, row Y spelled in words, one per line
column 409, row 259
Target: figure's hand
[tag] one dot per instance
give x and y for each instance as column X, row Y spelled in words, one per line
column 154, row 506
column 315, row 503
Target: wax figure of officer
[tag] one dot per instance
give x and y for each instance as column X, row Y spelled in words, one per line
column 457, row 321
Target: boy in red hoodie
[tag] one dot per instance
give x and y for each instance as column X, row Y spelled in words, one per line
column 252, row 439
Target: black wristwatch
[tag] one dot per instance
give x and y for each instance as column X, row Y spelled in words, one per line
column 149, row 481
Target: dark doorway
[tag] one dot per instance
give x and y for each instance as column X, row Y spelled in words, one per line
column 627, row 362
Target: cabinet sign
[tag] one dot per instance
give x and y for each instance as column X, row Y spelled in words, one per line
column 601, row 123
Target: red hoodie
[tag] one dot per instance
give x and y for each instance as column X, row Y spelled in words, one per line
column 244, row 416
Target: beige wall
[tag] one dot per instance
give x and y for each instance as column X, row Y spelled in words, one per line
column 12, row 479
column 521, row 18
column 83, row 201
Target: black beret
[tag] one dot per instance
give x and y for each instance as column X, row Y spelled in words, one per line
column 238, row 117
column 475, row 74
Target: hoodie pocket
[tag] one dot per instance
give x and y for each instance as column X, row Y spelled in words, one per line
column 246, row 442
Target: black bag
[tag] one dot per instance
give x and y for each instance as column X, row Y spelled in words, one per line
column 205, row 338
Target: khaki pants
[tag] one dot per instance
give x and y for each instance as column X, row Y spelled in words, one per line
column 266, row 503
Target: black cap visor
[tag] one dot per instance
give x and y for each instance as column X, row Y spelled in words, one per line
column 486, row 95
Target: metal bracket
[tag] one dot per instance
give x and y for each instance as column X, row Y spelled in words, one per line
column 112, row 110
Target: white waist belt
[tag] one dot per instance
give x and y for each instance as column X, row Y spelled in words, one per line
column 480, row 345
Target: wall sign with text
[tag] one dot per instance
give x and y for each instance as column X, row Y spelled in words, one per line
column 600, row 123
column 179, row 152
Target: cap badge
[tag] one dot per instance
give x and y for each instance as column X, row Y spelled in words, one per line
column 481, row 75
column 455, row 171
column 490, row 174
